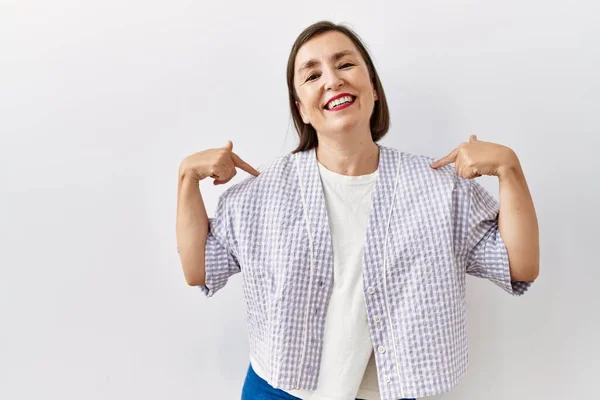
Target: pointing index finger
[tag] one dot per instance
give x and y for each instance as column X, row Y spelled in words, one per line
column 244, row 165
column 450, row 158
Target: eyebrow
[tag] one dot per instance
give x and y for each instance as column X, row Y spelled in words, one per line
column 336, row 56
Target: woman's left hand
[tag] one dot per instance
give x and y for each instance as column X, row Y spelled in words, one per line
column 476, row 158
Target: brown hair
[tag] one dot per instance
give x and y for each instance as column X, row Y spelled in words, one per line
column 380, row 119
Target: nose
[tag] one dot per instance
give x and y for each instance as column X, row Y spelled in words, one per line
column 333, row 80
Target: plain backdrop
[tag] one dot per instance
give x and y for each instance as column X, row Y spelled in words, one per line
column 101, row 100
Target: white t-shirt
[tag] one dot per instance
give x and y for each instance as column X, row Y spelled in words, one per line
column 347, row 369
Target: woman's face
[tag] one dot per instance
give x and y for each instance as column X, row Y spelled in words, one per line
column 327, row 66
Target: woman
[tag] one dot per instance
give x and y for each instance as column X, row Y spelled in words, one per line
column 353, row 254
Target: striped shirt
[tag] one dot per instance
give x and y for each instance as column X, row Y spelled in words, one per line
column 426, row 230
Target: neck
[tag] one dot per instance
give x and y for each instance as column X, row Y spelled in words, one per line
column 348, row 157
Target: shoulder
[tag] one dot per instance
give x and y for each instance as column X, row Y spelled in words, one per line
column 416, row 168
column 273, row 175
column 420, row 164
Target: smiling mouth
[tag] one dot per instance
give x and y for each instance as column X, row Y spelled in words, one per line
column 340, row 104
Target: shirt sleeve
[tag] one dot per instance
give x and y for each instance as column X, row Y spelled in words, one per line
column 220, row 260
column 487, row 256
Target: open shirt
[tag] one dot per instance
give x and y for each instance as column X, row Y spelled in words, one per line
column 426, row 230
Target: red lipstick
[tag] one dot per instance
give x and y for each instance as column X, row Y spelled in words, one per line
column 342, row 106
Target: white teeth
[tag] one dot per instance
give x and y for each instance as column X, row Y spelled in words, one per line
column 337, row 102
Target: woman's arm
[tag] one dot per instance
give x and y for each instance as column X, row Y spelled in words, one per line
column 517, row 222
column 192, row 221
column 192, row 229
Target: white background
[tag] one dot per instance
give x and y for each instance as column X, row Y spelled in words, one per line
column 101, row 100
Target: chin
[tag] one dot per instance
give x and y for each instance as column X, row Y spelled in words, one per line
column 345, row 124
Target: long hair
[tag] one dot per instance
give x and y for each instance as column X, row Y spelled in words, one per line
column 380, row 118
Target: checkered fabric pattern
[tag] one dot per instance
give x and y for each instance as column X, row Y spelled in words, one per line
column 426, row 230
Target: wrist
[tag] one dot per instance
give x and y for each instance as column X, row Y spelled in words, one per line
column 188, row 173
column 511, row 167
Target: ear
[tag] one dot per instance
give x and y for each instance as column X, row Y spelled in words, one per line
column 301, row 110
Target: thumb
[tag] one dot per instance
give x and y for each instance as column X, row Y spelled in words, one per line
column 473, row 139
column 229, row 145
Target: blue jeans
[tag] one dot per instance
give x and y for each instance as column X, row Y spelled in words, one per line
column 256, row 388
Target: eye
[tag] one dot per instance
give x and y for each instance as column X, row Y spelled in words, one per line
column 312, row 77
column 315, row 76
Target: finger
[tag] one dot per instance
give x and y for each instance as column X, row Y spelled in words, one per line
column 450, row 158
column 229, row 145
column 244, row 165
column 221, row 182
column 473, row 139
column 475, row 173
column 216, row 178
column 464, row 172
column 222, row 172
column 468, row 172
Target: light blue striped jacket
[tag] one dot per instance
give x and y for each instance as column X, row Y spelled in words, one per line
column 426, row 230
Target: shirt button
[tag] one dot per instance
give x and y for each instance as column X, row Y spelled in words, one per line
column 316, row 310
column 387, row 379
column 381, row 349
column 320, row 283
column 371, row 290
column 377, row 318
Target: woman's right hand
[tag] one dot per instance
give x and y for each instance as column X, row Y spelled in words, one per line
column 219, row 164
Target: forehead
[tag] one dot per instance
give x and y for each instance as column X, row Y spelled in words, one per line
column 321, row 47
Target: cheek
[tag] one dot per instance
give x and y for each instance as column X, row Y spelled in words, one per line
column 312, row 98
column 308, row 99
